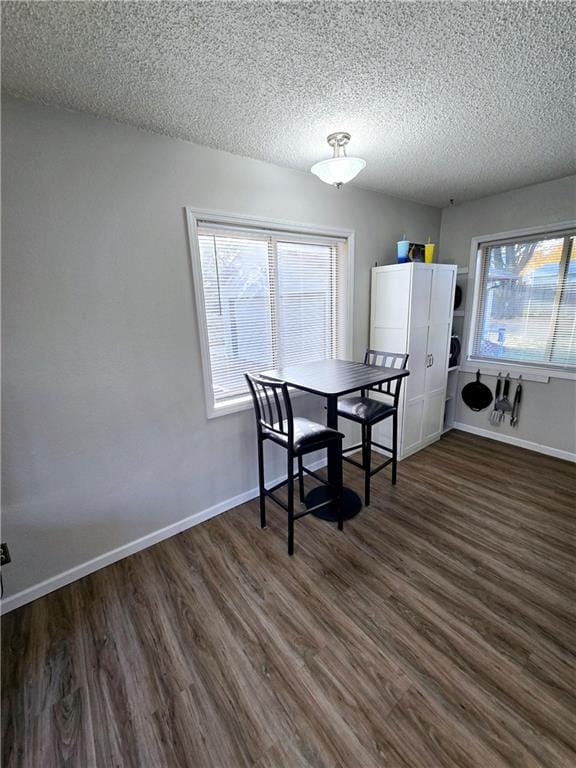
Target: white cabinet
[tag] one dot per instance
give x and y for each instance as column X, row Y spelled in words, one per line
column 411, row 311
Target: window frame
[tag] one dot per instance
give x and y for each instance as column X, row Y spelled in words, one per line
column 540, row 373
column 193, row 216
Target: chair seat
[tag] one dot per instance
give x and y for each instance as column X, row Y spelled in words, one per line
column 364, row 410
column 307, row 435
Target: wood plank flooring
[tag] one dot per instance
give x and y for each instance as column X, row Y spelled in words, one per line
column 437, row 630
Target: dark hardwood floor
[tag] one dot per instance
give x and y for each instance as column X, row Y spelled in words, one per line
column 437, row 630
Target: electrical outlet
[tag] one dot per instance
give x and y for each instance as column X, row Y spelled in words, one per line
column 4, row 554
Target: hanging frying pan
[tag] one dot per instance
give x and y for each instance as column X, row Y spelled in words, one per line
column 476, row 395
column 457, row 297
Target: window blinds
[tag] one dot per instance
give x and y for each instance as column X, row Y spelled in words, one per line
column 527, row 302
column 270, row 299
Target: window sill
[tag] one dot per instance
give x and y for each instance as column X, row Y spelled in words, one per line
column 242, row 403
column 528, row 372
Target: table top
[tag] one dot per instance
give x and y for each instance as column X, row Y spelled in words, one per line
column 334, row 377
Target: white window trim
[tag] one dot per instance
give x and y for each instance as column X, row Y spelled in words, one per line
column 528, row 372
column 193, row 215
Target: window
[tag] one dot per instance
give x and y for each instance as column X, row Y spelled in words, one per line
column 266, row 298
column 526, row 302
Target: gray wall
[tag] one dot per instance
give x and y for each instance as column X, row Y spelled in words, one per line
column 548, row 415
column 105, row 434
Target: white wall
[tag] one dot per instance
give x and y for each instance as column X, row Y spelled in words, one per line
column 548, row 414
column 105, row 434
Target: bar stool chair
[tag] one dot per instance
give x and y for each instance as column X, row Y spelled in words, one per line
column 299, row 436
column 367, row 412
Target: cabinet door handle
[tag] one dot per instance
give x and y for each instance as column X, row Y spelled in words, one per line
column 431, row 360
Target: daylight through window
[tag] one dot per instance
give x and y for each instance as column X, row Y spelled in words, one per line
column 526, row 308
column 270, row 299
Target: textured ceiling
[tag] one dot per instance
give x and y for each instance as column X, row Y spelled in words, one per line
column 443, row 99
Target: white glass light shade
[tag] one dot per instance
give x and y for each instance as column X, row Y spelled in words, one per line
column 338, row 170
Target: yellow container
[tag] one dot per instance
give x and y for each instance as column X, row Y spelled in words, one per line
column 429, row 252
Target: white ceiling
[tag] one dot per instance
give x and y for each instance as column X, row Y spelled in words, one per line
column 443, row 99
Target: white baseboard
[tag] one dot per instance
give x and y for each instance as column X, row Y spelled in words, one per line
column 528, row 444
column 420, row 447
column 29, row 594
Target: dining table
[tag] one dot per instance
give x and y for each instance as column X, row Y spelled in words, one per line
column 332, row 379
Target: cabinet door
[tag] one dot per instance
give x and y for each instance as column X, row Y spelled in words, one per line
column 389, row 311
column 422, row 282
column 433, row 415
column 411, row 435
column 442, row 296
column 429, row 343
column 437, row 351
column 415, row 384
column 390, row 296
column 436, row 375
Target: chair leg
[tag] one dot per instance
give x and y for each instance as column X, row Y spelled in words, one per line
column 339, row 496
column 290, row 504
column 367, row 459
column 261, row 484
column 394, row 446
column 300, row 480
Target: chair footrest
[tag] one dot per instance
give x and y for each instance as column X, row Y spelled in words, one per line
column 276, row 500
column 282, row 482
column 382, row 447
column 318, row 477
column 381, row 466
column 275, row 487
column 314, row 508
column 298, row 515
column 353, row 461
column 315, row 475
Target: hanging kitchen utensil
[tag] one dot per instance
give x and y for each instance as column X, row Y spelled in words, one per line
column 455, row 348
column 494, row 415
column 504, row 405
column 476, row 395
column 457, row 297
column 516, row 405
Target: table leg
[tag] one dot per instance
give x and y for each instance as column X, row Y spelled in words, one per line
column 351, row 501
column 332, row 422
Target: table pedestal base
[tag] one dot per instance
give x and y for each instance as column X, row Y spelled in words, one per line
column 352, row 503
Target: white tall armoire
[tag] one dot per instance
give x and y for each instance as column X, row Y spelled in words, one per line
column 411, row 311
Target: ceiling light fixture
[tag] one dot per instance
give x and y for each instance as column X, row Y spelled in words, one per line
column 340, row 168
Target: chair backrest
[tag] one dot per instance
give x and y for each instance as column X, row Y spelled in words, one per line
column 387, row 360
column 272, row 406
